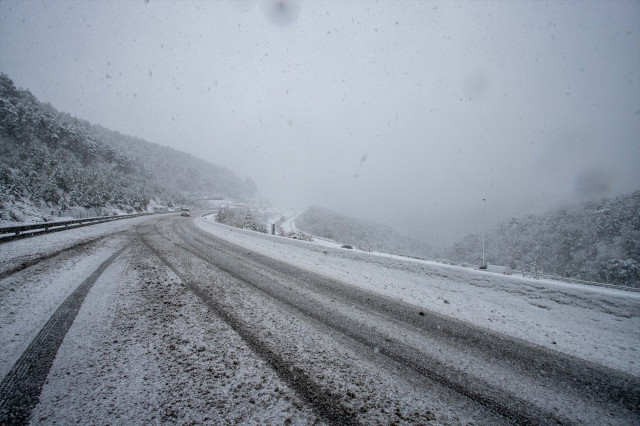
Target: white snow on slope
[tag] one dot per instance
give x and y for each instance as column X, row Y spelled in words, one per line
column 597, row 324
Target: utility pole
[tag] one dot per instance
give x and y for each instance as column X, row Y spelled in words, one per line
column 484, row 221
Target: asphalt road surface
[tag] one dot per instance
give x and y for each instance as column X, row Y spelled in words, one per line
column 173, row 324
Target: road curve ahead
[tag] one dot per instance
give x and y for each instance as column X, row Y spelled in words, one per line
column 354, row 356
column 165, row 320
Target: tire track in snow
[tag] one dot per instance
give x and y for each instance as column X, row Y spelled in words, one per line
column 594, row 383
column 327, row 405
column 21, row 387
column 585, row 378
column 508, row 406
column 42, row 258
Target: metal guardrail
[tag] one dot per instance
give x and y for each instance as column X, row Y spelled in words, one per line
column 10, row 233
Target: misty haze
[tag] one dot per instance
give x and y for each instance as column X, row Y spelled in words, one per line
column 262, row 211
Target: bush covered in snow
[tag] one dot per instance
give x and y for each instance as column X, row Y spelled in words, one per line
column 240, row 218
column 293, row 234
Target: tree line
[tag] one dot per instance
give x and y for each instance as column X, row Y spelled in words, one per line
column 49, row 157
column 595, row 241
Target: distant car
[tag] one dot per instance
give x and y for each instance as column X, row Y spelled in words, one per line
column 347, row 246
column 185, row 212
column 497, row 269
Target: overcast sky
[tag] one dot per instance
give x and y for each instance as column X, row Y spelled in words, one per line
column 386, row 110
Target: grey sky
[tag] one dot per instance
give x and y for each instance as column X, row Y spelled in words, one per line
column 379, row 109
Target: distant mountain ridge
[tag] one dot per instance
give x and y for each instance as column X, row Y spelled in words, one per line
column 359, row 233
column 50, row 157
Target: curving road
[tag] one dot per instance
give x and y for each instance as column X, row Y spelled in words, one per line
column 510, row 379
column 233, row 335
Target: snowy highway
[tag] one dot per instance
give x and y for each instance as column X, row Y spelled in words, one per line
column 182, row 320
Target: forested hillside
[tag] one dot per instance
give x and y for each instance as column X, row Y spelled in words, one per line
column 362, row 234
column 594, row 241
column 51, row 159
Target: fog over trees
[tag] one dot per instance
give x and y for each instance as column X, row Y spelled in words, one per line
column 596, row 240
column 402, row 114
column 55, row 161
column 356, row 232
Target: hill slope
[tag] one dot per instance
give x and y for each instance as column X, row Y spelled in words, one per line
column 49, row 158
column 594, row 241
column 359, row 233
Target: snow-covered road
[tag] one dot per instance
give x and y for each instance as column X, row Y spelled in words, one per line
column 195, row 322
column 594, row 323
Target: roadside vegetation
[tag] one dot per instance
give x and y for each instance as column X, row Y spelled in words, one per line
column 50, row 160
column 596, row 241
column 240, row 218
column 363, row 234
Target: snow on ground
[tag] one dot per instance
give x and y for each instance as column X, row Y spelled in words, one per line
column 138, row 353
column 17, row 212
column 27, row 249
column 137, row 349
column 29, row 298
column 274, row 215
column 142, row 349
column 290, row 225
column 597, row 324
